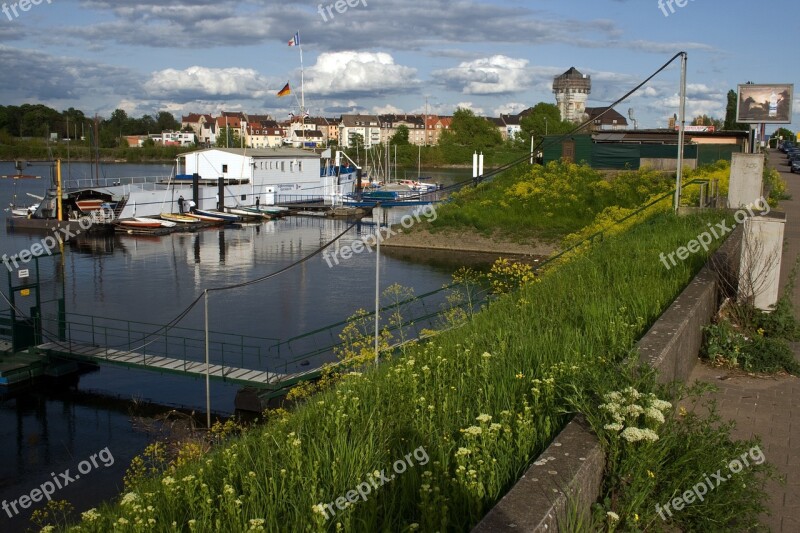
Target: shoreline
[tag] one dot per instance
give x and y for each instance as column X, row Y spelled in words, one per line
column 464, row 241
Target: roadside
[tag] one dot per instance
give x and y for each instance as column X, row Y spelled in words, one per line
column 769, row 406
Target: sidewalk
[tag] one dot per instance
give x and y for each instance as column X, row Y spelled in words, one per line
column 770, row 407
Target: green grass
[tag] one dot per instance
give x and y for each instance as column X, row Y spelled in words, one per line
column 509, row 363
column 546, row 202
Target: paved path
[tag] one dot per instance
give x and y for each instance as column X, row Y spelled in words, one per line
column 770, row 407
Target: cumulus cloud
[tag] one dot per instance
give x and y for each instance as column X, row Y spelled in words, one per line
column 201, row 82
column 497, row 74
column 469, row 105
column 359, row 73
column 511, row 108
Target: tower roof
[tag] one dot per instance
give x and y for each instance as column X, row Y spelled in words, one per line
column 571, row 80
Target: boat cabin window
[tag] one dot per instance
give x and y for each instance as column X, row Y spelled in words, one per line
column 224, row 168
column 244, row 197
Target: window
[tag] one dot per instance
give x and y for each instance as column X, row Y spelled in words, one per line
column 300, row 166
column 244, row 197
column 224, row 169
column 283, row 166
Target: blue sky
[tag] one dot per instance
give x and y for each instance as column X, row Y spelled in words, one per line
column 386, row 55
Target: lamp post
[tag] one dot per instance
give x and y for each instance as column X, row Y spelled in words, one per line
column 545, row 125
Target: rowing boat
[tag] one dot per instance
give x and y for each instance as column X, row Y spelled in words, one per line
column 178, row 218
column 227, row 217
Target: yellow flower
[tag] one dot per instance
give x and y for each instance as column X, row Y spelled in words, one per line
column 520, row 375
column 650, row 474
column 682, row 411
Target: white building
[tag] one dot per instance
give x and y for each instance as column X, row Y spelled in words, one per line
column 368, row 126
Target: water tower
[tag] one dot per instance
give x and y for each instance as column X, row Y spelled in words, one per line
column 572, row 89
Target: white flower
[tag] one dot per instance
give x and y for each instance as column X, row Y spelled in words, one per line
column 463, row 452
column 91, row 515
column 614, row 517
column 613, row 427
column 635, row 435
column 661, row 405
column 129, row 498
column 484, row 418
column 654, row 414
column 472, row 431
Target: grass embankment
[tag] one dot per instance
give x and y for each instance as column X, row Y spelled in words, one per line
column 469, row 410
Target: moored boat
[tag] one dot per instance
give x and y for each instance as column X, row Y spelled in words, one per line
column 141, row 222
column 179, row 219
column 90, row 204
column 218, row 215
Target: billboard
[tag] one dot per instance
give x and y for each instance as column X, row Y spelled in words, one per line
column 765, row 104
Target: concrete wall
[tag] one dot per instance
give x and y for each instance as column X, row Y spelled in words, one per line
column 746, row 183
column 541, row 499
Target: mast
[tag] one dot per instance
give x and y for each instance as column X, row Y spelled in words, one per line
column 302, row 92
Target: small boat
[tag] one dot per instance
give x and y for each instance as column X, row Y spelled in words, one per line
column 178, row 218
column 141, row 222
column 91, row 204
column 217, row 214
column 205, row 218
column 23, row 211
column 242, row 212
column 272, row 210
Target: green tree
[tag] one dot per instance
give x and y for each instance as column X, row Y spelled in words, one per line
column 400, row 136
column 705, row 120
column 786, row 134
column 227, row 137
column 39, row 120
column 470, row 131
column 166, row 122
column 730, row 114
column 543, row 119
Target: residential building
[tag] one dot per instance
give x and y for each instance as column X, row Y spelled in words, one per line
column 195, row 122
column 260, row 135
column 414, row 123
column 434, row 126
column 610, row 119
column 368, row 126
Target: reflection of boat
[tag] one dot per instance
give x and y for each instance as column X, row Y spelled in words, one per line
column 178, row 218
column 218, row 215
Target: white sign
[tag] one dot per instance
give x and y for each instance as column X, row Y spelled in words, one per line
column 24, row 273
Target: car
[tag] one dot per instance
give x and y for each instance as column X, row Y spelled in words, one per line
column 795, row 166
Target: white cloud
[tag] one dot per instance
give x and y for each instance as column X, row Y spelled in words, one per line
column 469, row 105
column 498, row 74
column 359, row 73
column 510, row 108
column 388, row 109
column 201, row 82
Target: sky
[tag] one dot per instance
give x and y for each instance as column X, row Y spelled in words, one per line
column 387, row 56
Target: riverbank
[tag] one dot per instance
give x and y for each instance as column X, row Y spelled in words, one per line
column 468, row 241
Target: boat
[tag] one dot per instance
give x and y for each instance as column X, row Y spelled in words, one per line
column 419, row 186
column 90, row 204
column 205, row 218
column 141, row 222
column 218, row 215
column 271, row 210
column 178, row 218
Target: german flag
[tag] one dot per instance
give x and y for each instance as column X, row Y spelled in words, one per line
column 286, row 90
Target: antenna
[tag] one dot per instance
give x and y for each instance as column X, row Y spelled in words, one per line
column 631, row 116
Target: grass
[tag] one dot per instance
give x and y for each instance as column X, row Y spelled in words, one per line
column 546, row 202
column 479, row 402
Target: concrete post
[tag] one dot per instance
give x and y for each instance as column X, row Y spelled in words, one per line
column 747, row 173
column 760, row 271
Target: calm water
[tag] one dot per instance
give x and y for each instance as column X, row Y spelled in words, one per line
column 152, row 280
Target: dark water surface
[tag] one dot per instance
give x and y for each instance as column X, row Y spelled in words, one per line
column 48, row 429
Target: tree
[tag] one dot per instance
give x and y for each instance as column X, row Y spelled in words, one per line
column 471, row 131
column 730, row 114
column 357, row 141
column 785, row 134
column 400, row 136
column 166, row 121
column 228, row 138
column 541, row 120
column 705, row 120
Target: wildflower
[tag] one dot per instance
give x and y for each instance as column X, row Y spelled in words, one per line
column 228, row 489
column 654, row 414
column 614, row 427
column 463, row 452
column 251, row 474
column 486, row 355
column 169, row 480
column 635, row 517
column 484, row 418
column 472, row 431
column 650, row 474
column 520, row 375
column 760, row 331
column 682, row 411
column 631, row 434
column 661, row 405
column 122, row 521
column 614, row 517
column 192, row 523
column 319, row 509
column 257, row 524
column 495, row 427
column 91, row 515
column 129, row 498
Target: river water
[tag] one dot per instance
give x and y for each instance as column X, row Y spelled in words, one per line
column 45, row 431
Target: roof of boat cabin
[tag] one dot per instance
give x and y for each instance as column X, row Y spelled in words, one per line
column 260, row 152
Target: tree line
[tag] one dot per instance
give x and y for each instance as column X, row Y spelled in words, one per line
column 40, row 121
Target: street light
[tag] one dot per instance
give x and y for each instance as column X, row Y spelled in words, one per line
column 545, row 125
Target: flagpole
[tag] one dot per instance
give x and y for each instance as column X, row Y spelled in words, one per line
column 302, row 92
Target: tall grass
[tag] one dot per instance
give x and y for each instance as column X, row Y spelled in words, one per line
column 480, row 401
column 547, row 202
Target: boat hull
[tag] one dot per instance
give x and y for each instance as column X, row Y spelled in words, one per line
column 218, row 215
column 180, row 219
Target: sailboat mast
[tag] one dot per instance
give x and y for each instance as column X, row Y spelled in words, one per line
column 302, row 92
